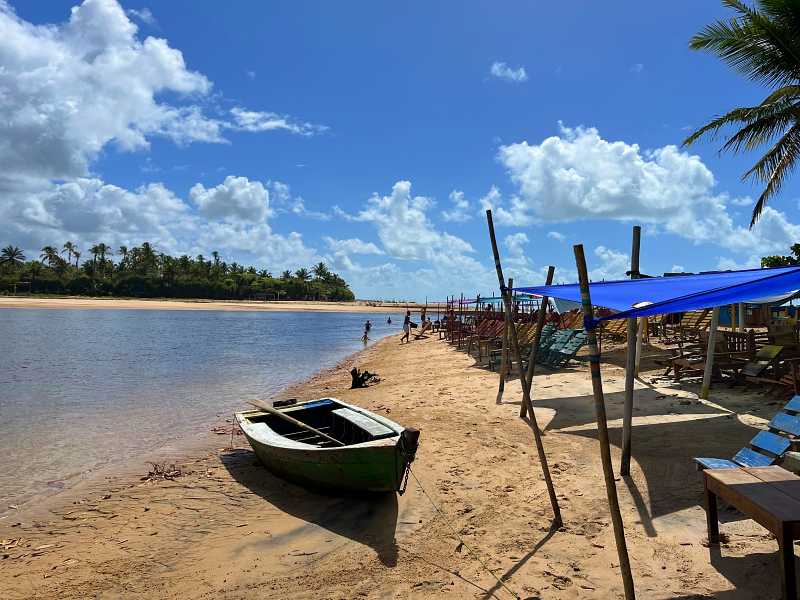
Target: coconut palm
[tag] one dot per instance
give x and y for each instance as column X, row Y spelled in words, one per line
column 321, row 271
column 50, row 256
column 77, row 256
column 11, row 256
column 70, row 249
column 763, row 44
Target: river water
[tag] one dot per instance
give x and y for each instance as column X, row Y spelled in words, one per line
column 81, row 388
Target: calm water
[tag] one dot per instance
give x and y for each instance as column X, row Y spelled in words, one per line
column 81, row 387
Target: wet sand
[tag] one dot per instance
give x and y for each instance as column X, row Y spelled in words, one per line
column 226, row 528
column 166, row 304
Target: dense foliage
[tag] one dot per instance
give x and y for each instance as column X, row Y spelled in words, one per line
column 783, row 261
column 762, row 43
column 143, row 272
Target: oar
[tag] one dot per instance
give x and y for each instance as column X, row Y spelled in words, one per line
column 274, row 411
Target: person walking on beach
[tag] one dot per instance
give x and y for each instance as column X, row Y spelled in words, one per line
column 406, row 327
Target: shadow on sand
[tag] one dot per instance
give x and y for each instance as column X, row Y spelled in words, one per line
column 370, row 519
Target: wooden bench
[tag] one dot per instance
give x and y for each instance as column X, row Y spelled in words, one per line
column 768, row 495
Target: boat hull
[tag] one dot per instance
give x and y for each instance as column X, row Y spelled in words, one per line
column 375, row 466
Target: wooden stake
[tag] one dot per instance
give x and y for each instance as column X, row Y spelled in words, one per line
column 504, row 351
column 602, row 426
column 537, row 337
column 630, row 365
column 537, row 434
column 712, row 344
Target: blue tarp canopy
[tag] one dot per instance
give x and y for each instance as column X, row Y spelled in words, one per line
column 680, row 293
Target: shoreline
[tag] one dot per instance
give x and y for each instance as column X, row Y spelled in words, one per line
column 225, row 527
column 76, row 302
column 198, row 442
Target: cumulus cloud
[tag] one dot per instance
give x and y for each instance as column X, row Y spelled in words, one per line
column 351, row 246
column 404, row 228
column 145, row 15
column 252, row 120
column 516, row 244
column 70, row 89
column 580, row 175
column 501, row 70
column 88, row 210
column 459, row 211
column 236, row 198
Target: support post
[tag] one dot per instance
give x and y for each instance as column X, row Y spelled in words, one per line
column 504, row 352
column 602, row 426
column 741, row 316
column 537, row 337
column 639, row 337
column 537, row 434
column 712, row 344
column 630, row 365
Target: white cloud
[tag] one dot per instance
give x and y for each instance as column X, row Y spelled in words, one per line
column 352, row 246
column 145, row 15
column 88, row 211
column 236, row 198
column 579, row 175
column 677, row 269
column 502, row 71
column 555, row 235
column 613, row 264
column 70, row 89
column 460, row 208
column 251, row 120
column 516, row 244
column 404, row 228
column 637, row 68
column 250, row 74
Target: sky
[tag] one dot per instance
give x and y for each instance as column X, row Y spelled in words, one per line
column 373, row 136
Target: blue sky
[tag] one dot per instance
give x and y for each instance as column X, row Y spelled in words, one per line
column 372, row 136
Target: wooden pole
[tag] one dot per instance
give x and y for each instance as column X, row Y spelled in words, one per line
column 639, row 337
column 630, row 365
column 274, row 411
column 602, row 426
column 712, row 345
column 741, row 316
column 504, row 352
column 537, row 434
column 537, row 337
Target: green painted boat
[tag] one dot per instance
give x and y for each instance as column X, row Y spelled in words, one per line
column 375, row 455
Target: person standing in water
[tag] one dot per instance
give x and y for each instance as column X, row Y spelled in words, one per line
column 367, row 327
column 406, row 327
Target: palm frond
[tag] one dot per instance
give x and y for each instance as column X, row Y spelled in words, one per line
column 773, row 168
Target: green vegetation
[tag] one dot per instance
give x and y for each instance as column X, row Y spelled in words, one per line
column 763, row 44
column 144, row 273
column 783, row 261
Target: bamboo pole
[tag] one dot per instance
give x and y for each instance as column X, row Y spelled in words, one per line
column 630, row 365
column 537, row 337
column 504, row 352
column 602, row 426
column 712, row 346
column 526, row 399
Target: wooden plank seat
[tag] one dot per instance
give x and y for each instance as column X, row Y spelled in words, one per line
column 768, row 495
column 347, row 417
column 767, row 447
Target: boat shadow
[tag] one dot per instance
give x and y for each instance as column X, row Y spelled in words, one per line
column 366, row 518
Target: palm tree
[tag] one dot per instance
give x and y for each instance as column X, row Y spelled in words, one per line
column 77, row 256
column 320, row 271
column 11, row 256
column 49, row 255
column 762, row 43
column 123, row 252
column 70, row 249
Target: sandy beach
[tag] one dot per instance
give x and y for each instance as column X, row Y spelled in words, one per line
column 197, row 304
column 225, row 528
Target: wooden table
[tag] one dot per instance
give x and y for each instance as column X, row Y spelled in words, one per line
column 768, row 495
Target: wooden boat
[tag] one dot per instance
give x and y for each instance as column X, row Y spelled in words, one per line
column 374, row 455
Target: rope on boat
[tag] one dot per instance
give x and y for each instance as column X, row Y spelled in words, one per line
column 461, row 539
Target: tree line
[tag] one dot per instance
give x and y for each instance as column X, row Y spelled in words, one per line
column 143, row 272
